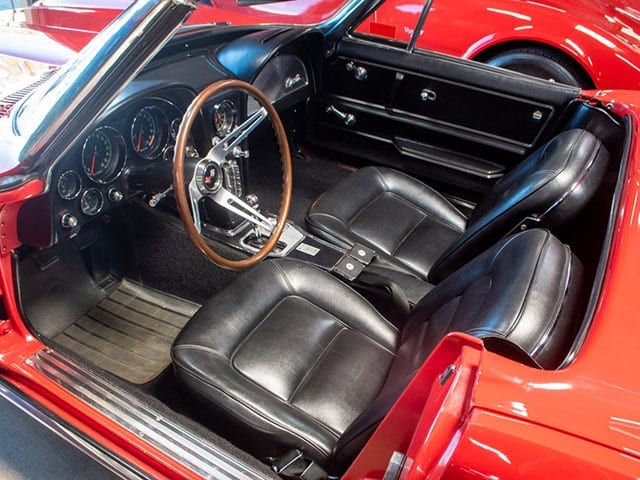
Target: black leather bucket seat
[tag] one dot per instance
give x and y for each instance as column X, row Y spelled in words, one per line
column 294, row 358
column 414, row 229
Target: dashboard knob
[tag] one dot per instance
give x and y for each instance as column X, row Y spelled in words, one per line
column 68, row 221
column 115, row 195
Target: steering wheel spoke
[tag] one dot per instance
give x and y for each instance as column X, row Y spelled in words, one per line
column 238, row 135
column 194, row 197
column 231, row 202
column 207, row 178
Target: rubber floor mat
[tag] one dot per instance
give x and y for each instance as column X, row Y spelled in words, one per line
column 129, row 333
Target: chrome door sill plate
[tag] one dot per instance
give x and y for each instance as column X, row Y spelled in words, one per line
column 204, row 458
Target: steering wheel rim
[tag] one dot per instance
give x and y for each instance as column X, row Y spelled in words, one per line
column 179, row 186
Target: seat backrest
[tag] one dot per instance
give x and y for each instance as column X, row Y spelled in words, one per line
column 545, row 190
column 525, row 291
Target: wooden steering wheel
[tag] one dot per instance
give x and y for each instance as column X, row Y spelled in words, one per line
column 205, row 177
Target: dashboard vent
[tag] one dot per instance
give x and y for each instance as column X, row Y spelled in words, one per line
column 8, row 102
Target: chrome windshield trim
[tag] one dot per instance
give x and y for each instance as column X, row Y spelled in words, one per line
column 45, row 123
column 200, row 456
column 104, row 457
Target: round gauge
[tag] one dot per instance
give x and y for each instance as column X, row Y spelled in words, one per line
column 224, row 117
column 91, row 202
column 103, row 155
column 69, row 185
column 174, row 127
column 149, row 132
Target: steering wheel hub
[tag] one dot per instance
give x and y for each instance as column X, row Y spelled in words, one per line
column 209, row 177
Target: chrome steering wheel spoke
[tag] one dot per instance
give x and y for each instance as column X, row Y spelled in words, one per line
column 225, row 146
column 231, row 202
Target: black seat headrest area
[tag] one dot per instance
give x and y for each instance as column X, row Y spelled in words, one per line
column 546, row 190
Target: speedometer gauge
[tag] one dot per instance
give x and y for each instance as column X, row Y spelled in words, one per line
column 149, row 131
column 224, row 117
column 103, row 155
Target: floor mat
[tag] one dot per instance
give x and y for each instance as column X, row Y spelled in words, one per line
column 129, row 333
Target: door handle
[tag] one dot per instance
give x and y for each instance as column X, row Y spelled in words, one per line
column 360, row 73
column 427, row 95
column 348, row 119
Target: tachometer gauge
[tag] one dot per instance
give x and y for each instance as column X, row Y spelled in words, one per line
column 149, row 132
column 225, row 115
column 103, row 155
column 91, row 202
column 69, row 185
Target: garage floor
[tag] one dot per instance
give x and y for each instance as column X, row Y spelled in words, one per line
column 29, row 451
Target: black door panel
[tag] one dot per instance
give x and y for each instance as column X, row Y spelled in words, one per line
column 458, row 123
column 480, row 111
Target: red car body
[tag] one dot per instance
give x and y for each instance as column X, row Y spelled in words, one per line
column 596, row 43
column 495, row 418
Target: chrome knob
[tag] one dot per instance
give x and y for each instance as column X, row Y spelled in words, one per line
column 68, row 221
column 115, row 195
column 253, row 201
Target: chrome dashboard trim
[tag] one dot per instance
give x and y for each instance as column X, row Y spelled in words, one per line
column 202, row 457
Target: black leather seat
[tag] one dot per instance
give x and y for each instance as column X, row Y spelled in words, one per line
column 294, row 358
column 416, row 230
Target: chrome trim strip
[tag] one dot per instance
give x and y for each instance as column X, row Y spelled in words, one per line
column 204, row 458
column 104, row 457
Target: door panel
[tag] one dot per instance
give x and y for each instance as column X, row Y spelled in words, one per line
column 457, row 123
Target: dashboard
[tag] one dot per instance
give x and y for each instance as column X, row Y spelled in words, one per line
column 127, row 152
column 131, row 151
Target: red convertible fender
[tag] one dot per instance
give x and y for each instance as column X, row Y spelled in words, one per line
column 34, row 46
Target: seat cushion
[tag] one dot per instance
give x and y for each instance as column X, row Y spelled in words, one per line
column 406, row 222
column 275, row 350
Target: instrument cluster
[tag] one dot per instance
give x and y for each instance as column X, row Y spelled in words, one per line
column 96, row 174
column 90, row 178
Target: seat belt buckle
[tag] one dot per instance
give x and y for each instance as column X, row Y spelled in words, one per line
column 295, row 465
column 348, row 268
column 361, row 253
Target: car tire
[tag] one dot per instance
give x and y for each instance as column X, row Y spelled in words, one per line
column 542, row 63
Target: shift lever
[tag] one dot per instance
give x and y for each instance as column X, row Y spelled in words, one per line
column 254, row 202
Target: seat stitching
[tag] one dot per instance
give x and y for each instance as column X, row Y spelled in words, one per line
column 311, row 368
column 255, row 328
column 528, row 290
column 284, row 276
column 381, row 178
column 566, row 162
column 361, row 210
column 349, row 327
column 265, row 418
column 426, row 213
column 324, row 214
column 407, row 235
column 545, row 335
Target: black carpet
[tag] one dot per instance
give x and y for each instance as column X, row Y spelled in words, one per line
column 130, row 332
column 312, row 176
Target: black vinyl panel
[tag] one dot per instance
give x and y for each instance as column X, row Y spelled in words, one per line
column 464, row 109
column 406, row 144
column 479, row 110
column 458, row 124
column 376, row 88
column 464, row 72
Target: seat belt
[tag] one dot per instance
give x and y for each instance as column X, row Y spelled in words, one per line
column 295, row 465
